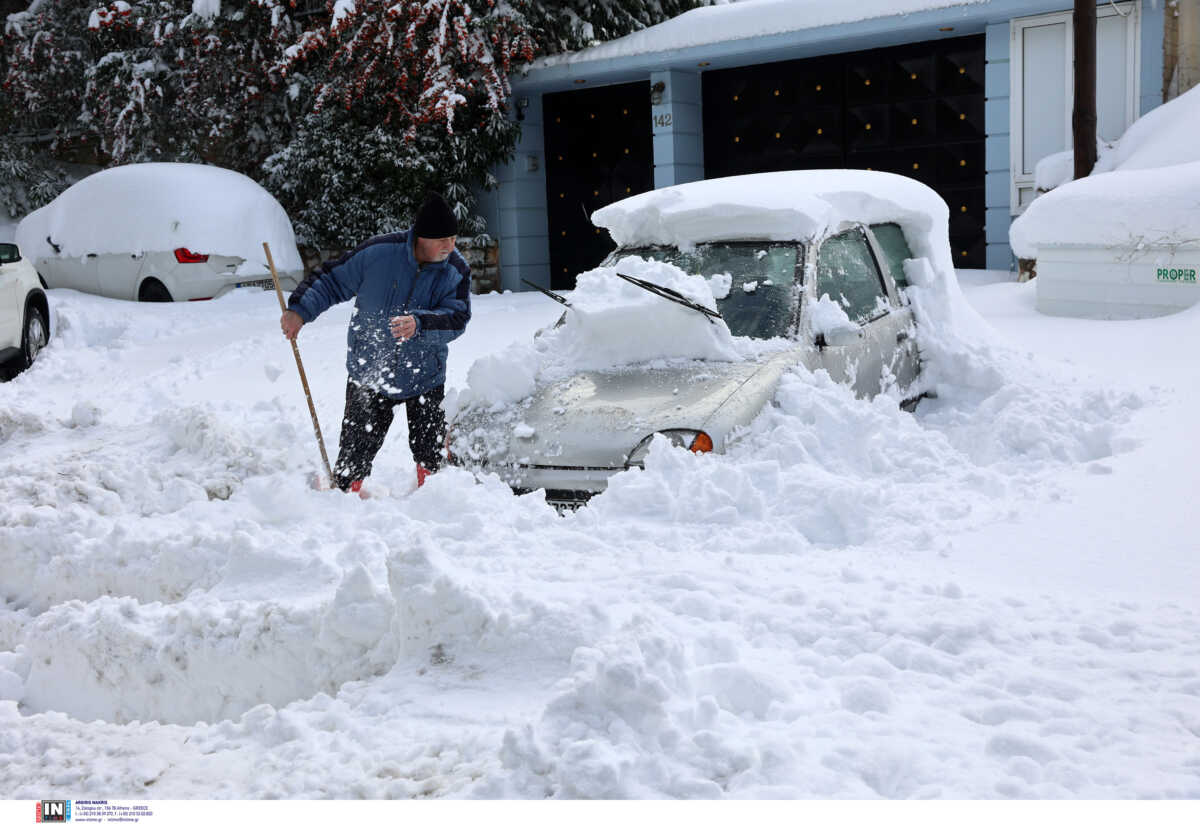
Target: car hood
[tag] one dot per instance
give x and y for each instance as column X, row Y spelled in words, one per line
column 595, row 419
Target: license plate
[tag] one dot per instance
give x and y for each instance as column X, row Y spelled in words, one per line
column 257, row 284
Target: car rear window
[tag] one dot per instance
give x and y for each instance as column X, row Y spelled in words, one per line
column 762, row 278
column 895, row 250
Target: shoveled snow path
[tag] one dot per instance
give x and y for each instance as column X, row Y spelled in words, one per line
column 855, row 602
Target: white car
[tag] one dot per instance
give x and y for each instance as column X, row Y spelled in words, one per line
column 815, row 258
column 24, row 312
column 161, row 232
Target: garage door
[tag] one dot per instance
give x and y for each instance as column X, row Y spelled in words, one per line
column 917, row 110
column 598, row 150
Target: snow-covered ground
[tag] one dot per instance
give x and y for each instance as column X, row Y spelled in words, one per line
column 993, row 597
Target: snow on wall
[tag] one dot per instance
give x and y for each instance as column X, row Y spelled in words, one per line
column 148, row 207
column 744, row 20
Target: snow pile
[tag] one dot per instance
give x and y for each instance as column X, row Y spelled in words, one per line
column 1119, row 209
column 610, row 323
column 149, row 207
column 1164, row 136
column 1054, row 170
column 1144, row 190
column 723, row 22
column 852, row 602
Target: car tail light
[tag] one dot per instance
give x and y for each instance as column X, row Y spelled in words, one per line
column 702, row 443
column 184, row 256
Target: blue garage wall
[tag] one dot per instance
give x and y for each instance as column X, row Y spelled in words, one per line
column 996, row 89
column 678, row 136
column 520, row 203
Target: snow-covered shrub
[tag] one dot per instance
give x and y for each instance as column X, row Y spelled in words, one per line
column 28, row 180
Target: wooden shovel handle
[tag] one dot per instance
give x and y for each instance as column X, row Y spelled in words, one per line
column 312, row 410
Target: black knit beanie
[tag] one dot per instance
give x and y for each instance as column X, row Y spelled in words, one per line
column 435, row 219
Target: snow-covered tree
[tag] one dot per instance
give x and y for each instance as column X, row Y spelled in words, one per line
column 131, row 94
column 358, row 115
column 410, row 96
column 569, row 25
column 239, row 107
column 47, row 52
column 188, row 80
column 155, row 79
column 28, row 179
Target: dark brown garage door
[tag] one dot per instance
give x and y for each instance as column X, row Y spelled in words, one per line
column 917, row 110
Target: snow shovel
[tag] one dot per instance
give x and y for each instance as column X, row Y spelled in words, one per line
column 300, row 366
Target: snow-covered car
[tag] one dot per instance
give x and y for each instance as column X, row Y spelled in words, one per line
column 161, row 232
column 24, row 312
column 812, row 260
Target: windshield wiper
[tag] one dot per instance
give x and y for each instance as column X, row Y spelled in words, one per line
column 672, row 295
column 549, row 294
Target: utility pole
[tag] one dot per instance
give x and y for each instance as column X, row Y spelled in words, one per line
column 1083, row 117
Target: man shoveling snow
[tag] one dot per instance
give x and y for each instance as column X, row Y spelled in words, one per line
column 412, row 293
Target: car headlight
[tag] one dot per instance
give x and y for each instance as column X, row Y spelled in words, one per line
column 692, row 439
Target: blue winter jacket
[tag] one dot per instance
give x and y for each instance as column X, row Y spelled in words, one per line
column 383, row 276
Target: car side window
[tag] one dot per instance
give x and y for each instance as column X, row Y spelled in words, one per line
column 895, row 250
column 847, row 272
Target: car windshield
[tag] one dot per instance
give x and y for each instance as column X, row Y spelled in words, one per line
column 753, row 282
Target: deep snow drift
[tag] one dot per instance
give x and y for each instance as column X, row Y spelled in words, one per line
column 992, row 597
column 1141, row 193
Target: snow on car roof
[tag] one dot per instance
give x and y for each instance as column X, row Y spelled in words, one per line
column 798, row 205
column 149, row 207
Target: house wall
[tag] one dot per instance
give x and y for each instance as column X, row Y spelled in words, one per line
column 678, row 136
column 996, row 180
column 518, row 209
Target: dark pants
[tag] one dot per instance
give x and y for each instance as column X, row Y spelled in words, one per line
column 367, row 420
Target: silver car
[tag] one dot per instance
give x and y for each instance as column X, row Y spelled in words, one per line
column 581, row 431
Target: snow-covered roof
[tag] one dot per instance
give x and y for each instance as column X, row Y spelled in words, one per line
column 746, row 19
column 1145, row 190
column 777, row 206
column 147, row 207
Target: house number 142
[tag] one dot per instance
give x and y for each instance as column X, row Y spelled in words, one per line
column 662, row 121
